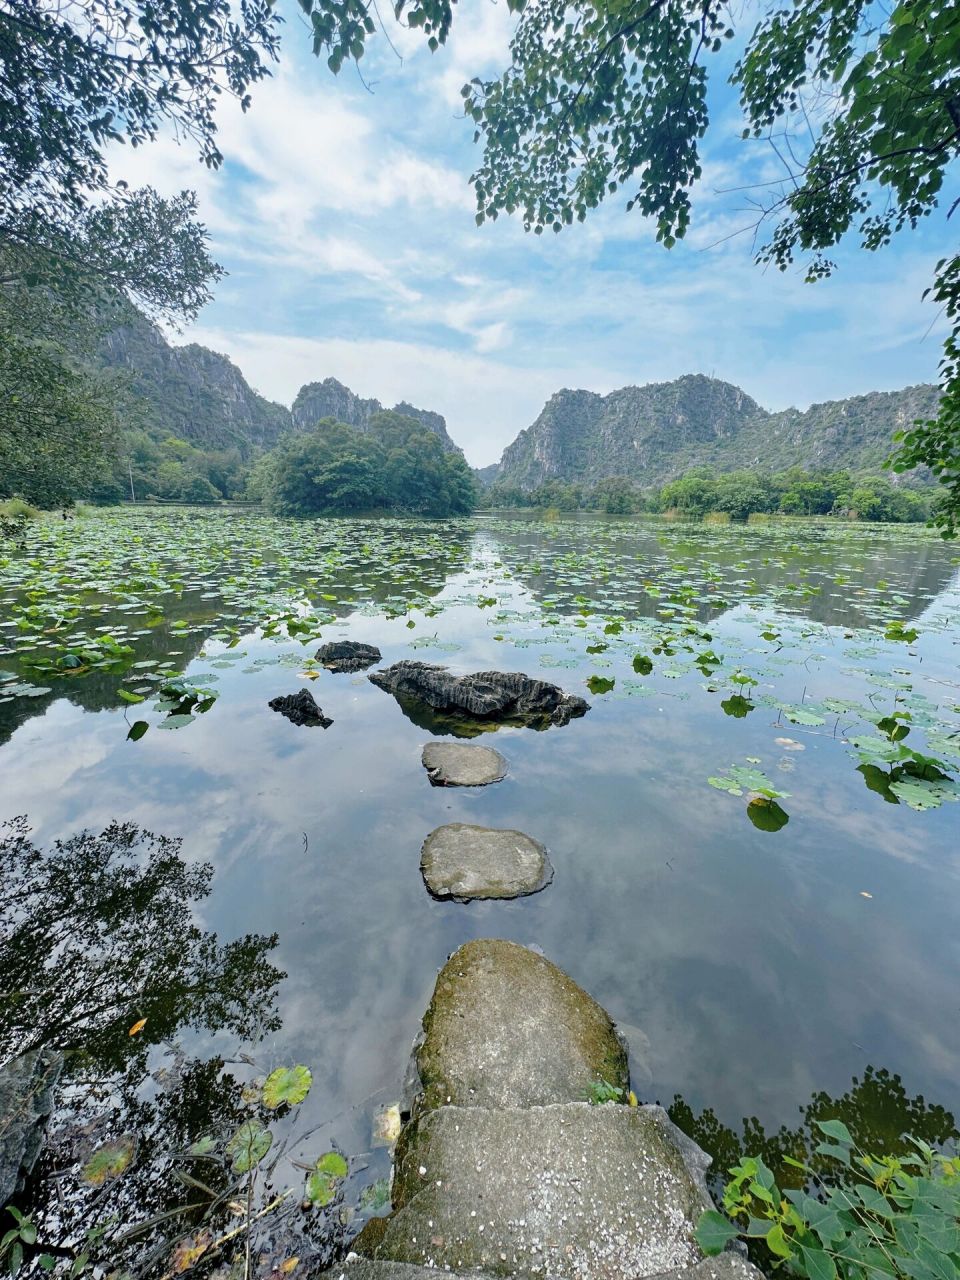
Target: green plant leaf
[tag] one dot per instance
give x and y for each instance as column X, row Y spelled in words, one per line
column 286, row 1085
column 108, row 1162
column 837, row 1130
column 248, row 1146
column 600, row 684
column 714, row 1232
column 332, row 1163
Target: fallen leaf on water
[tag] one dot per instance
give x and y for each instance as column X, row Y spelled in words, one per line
column 137, row 1026
column 289, row 1265
column 864, row 894
column 386, row 1126
column 789, row 744
column 632, row 1099
column 189, row 1251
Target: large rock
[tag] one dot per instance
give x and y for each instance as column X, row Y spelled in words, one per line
column 465, row 862
column 568, row 1190
column 728, row 1266
column 506, row 1028
column 301, row 708
column 452, row 764
column 27, row 1087
column 347, row 655
column 508, row 697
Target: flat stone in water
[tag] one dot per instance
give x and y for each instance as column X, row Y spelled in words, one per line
column 464, row 862
column 570, row 1190
column 506, row 1028
column 452, row 764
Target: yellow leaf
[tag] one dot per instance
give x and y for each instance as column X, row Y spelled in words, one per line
column 632, row 1099
column 289, row 1265
column 137, row 1026
column 189, row 1251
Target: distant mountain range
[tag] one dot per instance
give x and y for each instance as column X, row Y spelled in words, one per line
column 654, row 433
column 201, row 396
column 650, row 434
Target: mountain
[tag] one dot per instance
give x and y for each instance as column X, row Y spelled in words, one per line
column 331, row 399
column 191, row 392
column 656, row 432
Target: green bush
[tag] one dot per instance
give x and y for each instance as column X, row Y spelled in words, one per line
column 875, row 1216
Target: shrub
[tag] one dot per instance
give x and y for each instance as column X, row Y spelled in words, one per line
column 875, row 1216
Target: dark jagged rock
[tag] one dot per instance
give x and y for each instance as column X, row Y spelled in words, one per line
column 508, row 696
column 348, row 655
column 300, row 708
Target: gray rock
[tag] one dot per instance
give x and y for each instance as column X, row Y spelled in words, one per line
column 27, row 1088
column 465, row 862
column 347, row 655
column 301, row 708
column 451, row 764
column 504, row 696
column 570, row 1190
column 506, row 1028
column 726, row 1266
column 357, row 1268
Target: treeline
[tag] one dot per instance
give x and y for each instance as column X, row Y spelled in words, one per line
column 736, row 495
column 396, row 464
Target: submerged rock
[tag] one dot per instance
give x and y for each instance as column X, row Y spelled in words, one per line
column 347, row 655
column 464, row 862
column 27, row 1086
column 503, row 696
column 450, row 764
column 568, row 1190
column 300, row 708
column 506, row 1028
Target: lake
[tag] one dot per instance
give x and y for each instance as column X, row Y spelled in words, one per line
column 738, row 676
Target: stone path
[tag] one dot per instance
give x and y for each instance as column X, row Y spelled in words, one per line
column 504, row 1170
column 451, row 764
column 464, row 862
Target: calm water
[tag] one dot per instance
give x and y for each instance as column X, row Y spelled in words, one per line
column 749, row 968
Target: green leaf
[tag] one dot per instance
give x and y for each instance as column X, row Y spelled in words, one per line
column 126, row 696
column 766, row 814
column 600, row 684
column 714, row 1232
column 777, row 1242
column 248, row 1146
column 286, row 1086
column 819, row 1265
column 837, row 1130
column 137, row 730
column 108, row 1162
column 332, row 1163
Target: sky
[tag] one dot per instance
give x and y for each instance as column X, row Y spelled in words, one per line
column 344, row 217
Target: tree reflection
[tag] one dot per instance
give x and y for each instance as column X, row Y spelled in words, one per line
column 105, row 970
column 877, row 1110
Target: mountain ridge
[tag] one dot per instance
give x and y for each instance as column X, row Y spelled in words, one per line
column 653, row 433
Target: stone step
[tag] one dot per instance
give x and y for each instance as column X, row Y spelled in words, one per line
column 506, row 1028
column 598, row 1192
column 454, row 764
column 466, row 862
column 728, row 1266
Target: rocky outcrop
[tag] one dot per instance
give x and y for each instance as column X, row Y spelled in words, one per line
column 191, row 392
column 27, row 1087
column 653, row 433
column 300, row 708
column 347, row 655
column 451, row 764
column 507, row 697
column 331, row 399
column 465, row 862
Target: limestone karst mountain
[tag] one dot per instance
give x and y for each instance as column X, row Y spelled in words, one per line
column 656, row 432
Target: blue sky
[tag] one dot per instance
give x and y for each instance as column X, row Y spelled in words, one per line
column 346, row 222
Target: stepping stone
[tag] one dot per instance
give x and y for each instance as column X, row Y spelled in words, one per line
column 506, row 1028
column 451, row 764
column 347, row 655
column 463, row 862
column 568, row 1190
column 727, row 1266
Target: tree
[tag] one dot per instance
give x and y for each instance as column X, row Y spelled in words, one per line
column 862, row 106
column 76, row 77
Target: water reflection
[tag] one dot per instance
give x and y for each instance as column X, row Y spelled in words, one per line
column 108, row 975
